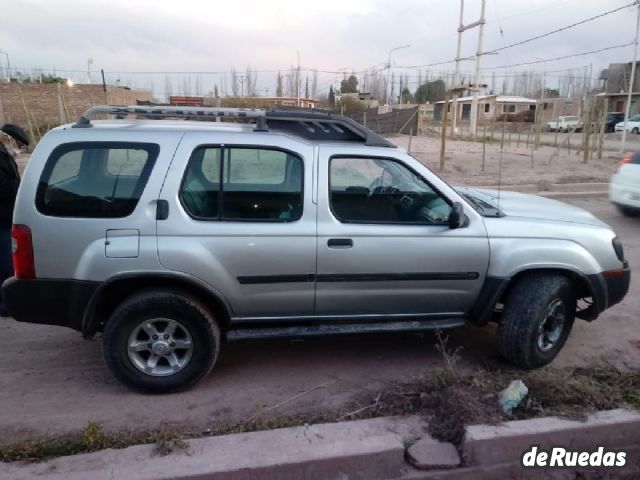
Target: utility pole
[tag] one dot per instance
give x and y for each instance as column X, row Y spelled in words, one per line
column 456, row 80
column 631, row 81
column 476, row 80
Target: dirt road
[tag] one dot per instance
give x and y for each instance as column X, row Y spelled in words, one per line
column 53, row 382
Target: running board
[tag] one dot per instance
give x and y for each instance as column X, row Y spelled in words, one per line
column 337, row 329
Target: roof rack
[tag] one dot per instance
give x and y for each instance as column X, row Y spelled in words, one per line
column 309, row 125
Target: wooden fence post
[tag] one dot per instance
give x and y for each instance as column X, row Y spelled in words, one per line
column 443, row 133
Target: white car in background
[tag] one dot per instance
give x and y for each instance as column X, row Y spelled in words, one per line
column 564, row 124
column 633, row 125
column 624, row 189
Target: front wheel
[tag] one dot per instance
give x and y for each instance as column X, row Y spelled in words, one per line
column 635, row 130
column 537, row 319
column 628, row 211
column 160, row 341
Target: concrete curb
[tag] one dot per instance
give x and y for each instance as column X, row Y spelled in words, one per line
column 505, row 443
column 556, row 190
column 557, row 195
column 365, row 449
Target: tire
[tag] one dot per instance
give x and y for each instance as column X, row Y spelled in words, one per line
column 628, row 211
column 526, row 312
column 635, row 130
column 132, row 323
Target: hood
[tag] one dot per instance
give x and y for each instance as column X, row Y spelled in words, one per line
column 534, row 207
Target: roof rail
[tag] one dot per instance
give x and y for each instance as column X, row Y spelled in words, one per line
column 313, row 125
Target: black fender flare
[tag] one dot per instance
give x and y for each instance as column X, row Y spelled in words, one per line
column 92, row 318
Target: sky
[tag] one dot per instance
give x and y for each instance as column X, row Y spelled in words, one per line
column 129, row 38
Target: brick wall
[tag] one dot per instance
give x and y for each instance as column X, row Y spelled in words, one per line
column 42, row 106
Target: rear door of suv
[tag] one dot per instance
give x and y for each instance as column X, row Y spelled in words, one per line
column 241, row 218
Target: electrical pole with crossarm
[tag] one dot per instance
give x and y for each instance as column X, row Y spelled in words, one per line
column 632, row 80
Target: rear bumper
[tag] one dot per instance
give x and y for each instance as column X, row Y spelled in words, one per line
column 48, row 302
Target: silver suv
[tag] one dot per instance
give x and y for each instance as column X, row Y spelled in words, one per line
column 170, row 235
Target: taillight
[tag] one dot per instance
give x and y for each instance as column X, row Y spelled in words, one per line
column 23, row 264
column 626, row 159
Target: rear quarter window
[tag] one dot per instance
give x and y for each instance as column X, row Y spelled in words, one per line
column 95, row 179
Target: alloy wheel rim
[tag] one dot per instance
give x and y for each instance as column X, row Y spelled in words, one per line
column 552, row 325
column 160, row 347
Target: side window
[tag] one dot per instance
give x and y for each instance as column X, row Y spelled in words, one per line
column 376, row 190
column 95, row 179
column 126, row 162
column 258, row 184
column 200, row 191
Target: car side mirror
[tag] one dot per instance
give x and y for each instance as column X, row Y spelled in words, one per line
column 457, row 218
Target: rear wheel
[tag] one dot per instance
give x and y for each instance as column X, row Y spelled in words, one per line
column 161, row 341
column 537, row 319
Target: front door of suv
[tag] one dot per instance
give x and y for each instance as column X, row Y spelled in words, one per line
column 384, row 245
column 241, row 219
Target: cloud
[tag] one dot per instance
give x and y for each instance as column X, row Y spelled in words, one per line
column 190, row 35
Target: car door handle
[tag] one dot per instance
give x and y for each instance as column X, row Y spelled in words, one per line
column 340, row 243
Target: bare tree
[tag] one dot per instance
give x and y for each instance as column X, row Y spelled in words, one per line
column 168, row 87
column 186, row 85
column 376, row 84
column 235, row 83
column 252, row 80
column 279, row 84
column 314, row 85
column 291, row 78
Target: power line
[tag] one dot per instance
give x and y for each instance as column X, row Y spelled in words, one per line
column 538, row 37
column 581, row 54
column 524, row 41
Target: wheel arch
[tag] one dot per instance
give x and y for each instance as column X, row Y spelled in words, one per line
column 496, row 290
column 113, row 291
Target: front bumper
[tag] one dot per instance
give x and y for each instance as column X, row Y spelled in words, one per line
column 607, row 289
column 624, row 194
column 48, row 302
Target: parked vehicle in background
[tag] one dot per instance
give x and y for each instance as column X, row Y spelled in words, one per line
column 633, row 124
column 610, row 122
column 172, row 236
column 565, row 124
column 624, row 188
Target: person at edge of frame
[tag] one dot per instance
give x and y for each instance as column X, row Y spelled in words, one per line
column 12, row 139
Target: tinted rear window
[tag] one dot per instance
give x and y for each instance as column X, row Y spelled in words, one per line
column 95, row 179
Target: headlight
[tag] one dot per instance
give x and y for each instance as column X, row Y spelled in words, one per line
column 617, row 246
